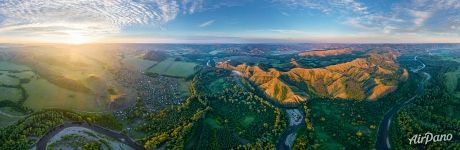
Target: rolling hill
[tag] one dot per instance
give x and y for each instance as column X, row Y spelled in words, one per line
column 324, row 53
column 367, row 78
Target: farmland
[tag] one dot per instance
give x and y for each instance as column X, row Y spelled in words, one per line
column 170, row 67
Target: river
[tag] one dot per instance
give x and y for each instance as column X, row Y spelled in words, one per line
column 289, row 135
column 383, row 140
column 41, row 144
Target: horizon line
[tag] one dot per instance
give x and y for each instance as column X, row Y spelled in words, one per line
column 204, row 43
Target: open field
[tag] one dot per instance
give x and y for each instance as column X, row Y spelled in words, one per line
column 7, row 120
column 4, row 65
column 43, row 94
column 9, row 116
column 11, row 94
column 135, row 63
column 173, row 68
column 6, row 79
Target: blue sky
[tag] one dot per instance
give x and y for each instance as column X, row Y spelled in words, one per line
column 229, row 21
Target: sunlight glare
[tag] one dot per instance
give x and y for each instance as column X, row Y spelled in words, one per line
column 78, row 39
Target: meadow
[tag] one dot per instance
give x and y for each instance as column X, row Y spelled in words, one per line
column 43, row 94
column 39, row 93
column 170, row 67
column 7, row 80
column 5, row 65
column 135, row 63
column 9, row 116
column 11, row 78
column 11, row 94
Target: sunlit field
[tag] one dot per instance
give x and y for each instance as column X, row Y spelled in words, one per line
column 171, row 67
column 60, row 76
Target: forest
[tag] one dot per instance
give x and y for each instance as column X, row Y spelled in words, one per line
column 435, row 112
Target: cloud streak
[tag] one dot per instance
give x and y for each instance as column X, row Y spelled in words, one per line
column 326, row 6
column 207, row 23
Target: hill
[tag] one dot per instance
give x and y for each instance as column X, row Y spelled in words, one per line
column 367, row 78
column 324, row 53
column 155, row 55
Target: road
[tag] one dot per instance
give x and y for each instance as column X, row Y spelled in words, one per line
column 41, row 144
column 383, row 140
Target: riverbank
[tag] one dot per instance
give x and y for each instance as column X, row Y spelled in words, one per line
column 383, row 141
column 42, row 143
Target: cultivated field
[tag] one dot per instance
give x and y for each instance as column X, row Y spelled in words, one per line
column 135, row 63
column 169, row 67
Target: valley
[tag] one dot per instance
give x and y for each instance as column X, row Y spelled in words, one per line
column 221, row 97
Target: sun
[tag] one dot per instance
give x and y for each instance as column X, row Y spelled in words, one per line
column 77, row 39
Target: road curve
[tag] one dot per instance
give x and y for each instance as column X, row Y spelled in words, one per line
column 41, row 144
column 383, row 140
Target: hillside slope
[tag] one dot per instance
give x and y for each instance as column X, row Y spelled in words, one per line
column 367, row 78
column 324, row 53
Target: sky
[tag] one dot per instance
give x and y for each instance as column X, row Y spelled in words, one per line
column 229, row 21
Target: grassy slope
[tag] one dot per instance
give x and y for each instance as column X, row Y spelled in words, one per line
column 43, row 94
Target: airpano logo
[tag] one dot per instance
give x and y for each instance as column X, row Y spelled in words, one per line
column 429, row 137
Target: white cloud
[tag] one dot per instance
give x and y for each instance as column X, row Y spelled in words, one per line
column 285, row 14
column 207, row 23
column 430, row 16
column 86, row 17
column 420, row 17
column 326, row 6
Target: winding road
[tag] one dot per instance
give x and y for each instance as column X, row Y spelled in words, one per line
column 383, row 141
column 41, row 144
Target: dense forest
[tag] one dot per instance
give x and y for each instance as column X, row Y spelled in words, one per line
column 435, row 112
column 220, row 115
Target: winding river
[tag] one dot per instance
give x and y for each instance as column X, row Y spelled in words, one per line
column 383, row 141
column 41, row 144
column 289, row 135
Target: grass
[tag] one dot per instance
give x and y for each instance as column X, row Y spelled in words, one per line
column 137, row 64
column 12, row 67
column 11, row 111
column 6, row 120
column 7, row 80
column 43, row 94
column 184, row 88
column 9, row 116
column 12, row 94
column 25, row 75
column 169, row 67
